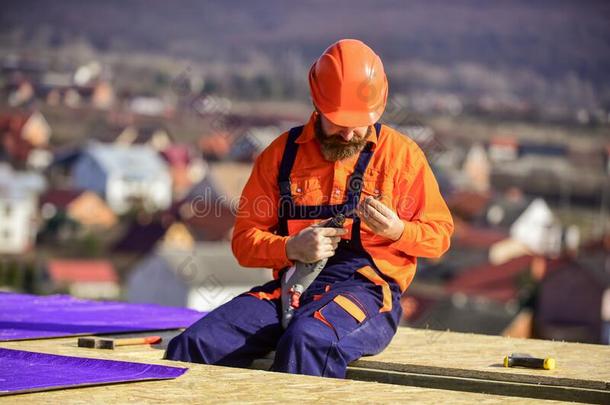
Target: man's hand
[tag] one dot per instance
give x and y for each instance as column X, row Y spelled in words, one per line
column 313, row 244
column 381, row 219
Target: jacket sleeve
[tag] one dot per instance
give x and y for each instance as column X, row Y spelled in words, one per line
column 254, row 242
column 428, row 222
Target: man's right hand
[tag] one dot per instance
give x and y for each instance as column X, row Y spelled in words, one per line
column 313, row 244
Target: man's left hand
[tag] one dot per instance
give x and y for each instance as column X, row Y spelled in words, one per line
column 381, row 219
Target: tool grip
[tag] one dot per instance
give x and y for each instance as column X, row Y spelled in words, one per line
column 547, row 363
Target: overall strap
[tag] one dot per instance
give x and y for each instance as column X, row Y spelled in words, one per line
column 354, row 183
column 355, row 187
column 287, row 209
column 286, row 203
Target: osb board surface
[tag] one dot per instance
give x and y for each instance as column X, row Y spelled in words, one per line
column 479, row 356
column 213, row 384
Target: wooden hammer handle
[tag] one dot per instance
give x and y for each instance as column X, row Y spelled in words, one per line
column 137, row 341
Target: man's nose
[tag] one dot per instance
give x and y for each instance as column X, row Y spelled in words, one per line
column 347, row 134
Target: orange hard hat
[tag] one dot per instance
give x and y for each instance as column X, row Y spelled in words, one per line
column 348, row 84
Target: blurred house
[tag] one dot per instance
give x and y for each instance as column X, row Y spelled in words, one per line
column 102, row 96
column 13, row 66
column 23, row 132
column 483, row 298
column 178, row 228
column 99, row 95
column 215, row 147
column 247, row 147
column 185, row 169
column 70, row 211
column 502, row 282
column 507, row 249
column 18, row 209
column 125, row 176
column 209, row 207
column 87, row 73
column 201, row 278
column 59, row 172
column 470, row 247
column 503, row 149
column 94, row 279
column 455, row 261
column 533, row 227
column 230, row 178
column 503, row 211
column 178, row 236
column 469, row 205
column 462, row 314
column 20, row 92
column 574, row 299
column 204, row 216
column 476, row 169
column 142, row 238
column 157, row 138
column 542, row 149
column 148, row 106
column 480, row 285
column 538, row 229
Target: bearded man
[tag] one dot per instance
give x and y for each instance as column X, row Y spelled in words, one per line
column 342, row 161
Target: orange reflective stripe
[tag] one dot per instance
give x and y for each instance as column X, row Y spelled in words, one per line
column 261, row 295
column 318, row 315
column 351, row 308
column 369, row 273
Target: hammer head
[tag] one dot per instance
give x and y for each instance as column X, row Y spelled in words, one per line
column 105, row 344
column 88, row 342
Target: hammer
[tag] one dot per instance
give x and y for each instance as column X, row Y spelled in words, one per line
column 95, row 343
column 526, row 360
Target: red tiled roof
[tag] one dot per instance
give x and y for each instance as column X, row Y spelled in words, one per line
column 60, row 198
column 70, row 271
column 468, row 204
column 11, row 140
column 504, row 140
column 495, row 282
column 177, row 155
column 217, row 145
column 467, row 235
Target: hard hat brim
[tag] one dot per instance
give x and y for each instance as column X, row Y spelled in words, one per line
column 353, row 119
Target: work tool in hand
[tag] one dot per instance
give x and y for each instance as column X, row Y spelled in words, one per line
column 297, row 279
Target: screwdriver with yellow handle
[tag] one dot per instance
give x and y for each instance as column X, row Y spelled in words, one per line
column 526, row 360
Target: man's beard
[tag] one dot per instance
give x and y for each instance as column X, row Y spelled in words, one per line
column 334, row 148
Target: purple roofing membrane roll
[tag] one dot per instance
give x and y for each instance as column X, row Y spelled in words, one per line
column 24, row 316
column 22, row 371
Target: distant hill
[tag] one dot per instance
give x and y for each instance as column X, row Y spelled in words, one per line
column 551, row 38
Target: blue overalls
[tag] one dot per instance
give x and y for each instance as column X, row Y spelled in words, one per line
column 350, row 310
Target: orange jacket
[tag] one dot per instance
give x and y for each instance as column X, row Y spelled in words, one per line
column 398, row 171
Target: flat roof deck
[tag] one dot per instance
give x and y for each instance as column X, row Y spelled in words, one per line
column 420, row 365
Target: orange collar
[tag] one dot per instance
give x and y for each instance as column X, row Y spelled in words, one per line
column 308, row 131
